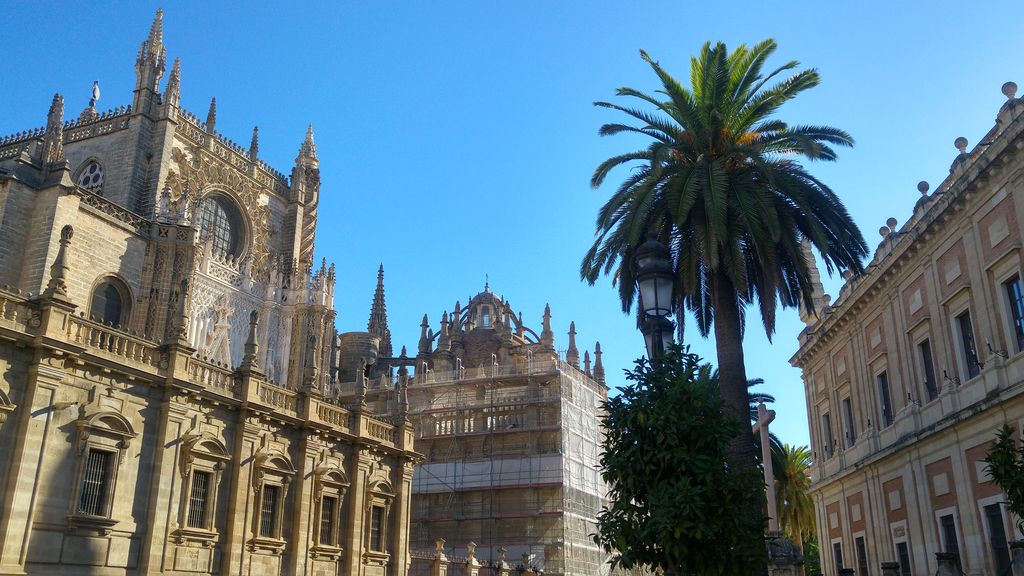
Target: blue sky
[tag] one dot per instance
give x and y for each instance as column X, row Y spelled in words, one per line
column 456, row 139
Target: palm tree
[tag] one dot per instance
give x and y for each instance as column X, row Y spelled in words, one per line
column 721, row 185
column 793, row 501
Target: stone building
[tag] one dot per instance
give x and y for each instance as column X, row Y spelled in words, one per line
column 168, row 355
column 511, row 437
column 913, row 368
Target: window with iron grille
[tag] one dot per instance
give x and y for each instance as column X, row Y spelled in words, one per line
column 997, row 538
column 928, row 367
column 970, row 353
column 862, row 557
column 377, row 528
column 95, row 483
column 903, row 553
column 198, row 499
column 328, row 505
column 269, row 510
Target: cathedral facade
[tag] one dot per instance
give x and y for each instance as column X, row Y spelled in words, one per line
column 169, row 401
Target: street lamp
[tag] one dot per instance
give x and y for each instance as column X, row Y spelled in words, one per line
column 654, row 278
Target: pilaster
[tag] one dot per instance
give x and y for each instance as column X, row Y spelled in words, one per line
column 19, row 498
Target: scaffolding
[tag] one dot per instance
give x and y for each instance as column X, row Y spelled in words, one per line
column 511, row 461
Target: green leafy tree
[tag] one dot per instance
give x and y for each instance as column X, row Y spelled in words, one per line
column 793, row 501
column 721, row 184
column 1005, row 464
column 812, row 558
column 664, row 459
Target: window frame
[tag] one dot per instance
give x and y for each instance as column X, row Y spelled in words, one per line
column 203, row 453
column 96, row 189
column 932, row 392
column 968, row 369
column 1013, row 315
column 235, row 218
column 884, row 401
column 124, row 293
column 105, row 432
column 271, row 468
column 849, row 423
column 329, row 482
column 380, row 495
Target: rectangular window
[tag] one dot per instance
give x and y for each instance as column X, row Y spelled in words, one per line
column 1016, row 301
column 903, row 555
column 970, row 353
column 377, row 528
column 268, row 511
column 851, row 431
column 862, row 557
column 949, row 540
column 95, row 483
column 837, row 555
column 198, row 498
column 826, row 430
column 327, row 507
column 924, row 349
column 997, row 538
column 884, row 398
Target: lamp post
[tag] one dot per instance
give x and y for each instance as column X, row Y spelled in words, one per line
column 654, row 278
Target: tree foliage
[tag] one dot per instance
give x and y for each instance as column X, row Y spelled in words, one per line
column 795, row 508
column 676, row 504
column 1005, row 464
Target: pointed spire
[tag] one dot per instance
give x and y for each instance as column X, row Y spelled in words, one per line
column 487, row 282
column 457, row 318
column 378, row 323
column 58, row 285
column 586, row 363
column 254, row 144
column 53, row 137
column 598, row 366
column 149, row 66
column 155, row 41
column 547, row 337
column 211, row 116
column 424, row 345
column 250, row 360
column 308, row 149
column 174, row 85
column 444, row 341
column 572, row 355
column 520, row 328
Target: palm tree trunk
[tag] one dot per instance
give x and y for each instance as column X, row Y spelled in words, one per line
column 733, row 374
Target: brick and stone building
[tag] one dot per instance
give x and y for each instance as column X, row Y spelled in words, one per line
column 168, row 400
column 913, row 368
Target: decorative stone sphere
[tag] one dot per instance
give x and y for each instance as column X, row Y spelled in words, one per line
column 1010, row 89
column 884, row 231
column 961, row 144
column 891, row 223
column 922, row 187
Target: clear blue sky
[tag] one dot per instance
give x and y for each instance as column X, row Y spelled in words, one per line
column 456, row 139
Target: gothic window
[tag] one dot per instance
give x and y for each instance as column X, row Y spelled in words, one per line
column 202, row 461
column 110, row 303
column 485, row 316
column 103, row 440
column 91, row 177
column 220, row 222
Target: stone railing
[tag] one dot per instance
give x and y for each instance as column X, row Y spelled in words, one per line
column 112, row 340
column 277, row 396
column 136, row 222
column 209, row 375
column 536, row 367
column 379, row 429
column 334, row 416
column 106, row 123
column 15, row 310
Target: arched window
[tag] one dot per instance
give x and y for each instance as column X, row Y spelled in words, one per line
column 485, row 314
column 91, row 177
column 110, row 303
column 221, row 222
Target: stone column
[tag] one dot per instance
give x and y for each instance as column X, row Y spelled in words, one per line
column 240, row 495
column 949, row 564
column 1017, row 554
column 400, row 518
column 302, row 512
column 357, row 529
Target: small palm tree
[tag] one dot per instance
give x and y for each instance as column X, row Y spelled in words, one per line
column 720, row 183
column 795, row 508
